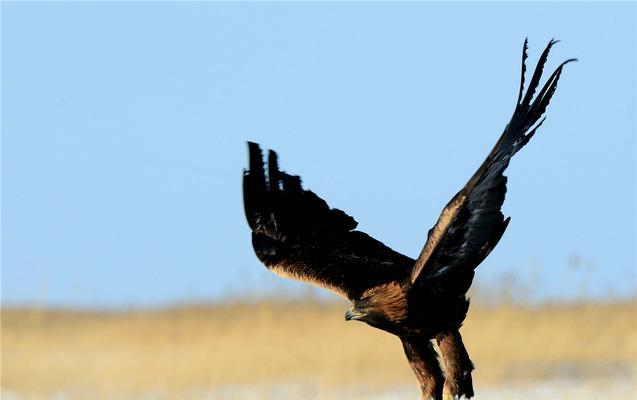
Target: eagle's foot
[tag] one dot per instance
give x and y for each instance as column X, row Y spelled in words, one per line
column 433, row 391
column 458, row 382
column 458, row 386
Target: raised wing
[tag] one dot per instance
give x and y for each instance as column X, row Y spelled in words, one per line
column 297, row 235
column 471, row 224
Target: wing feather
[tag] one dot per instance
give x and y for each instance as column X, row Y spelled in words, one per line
column 471, row 224
column 297, row 235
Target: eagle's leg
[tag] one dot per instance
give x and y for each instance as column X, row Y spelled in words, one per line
column 458, row 366
column 423, row 360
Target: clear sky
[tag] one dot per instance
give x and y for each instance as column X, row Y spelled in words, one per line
column 124, row 129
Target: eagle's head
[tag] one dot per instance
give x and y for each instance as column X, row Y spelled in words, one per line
column 380, row 305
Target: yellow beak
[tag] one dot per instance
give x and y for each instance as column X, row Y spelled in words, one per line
column 353, row 314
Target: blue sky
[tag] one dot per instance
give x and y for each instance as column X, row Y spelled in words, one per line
column 123, row 130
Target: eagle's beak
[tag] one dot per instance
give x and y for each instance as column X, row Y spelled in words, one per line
column 353, row 314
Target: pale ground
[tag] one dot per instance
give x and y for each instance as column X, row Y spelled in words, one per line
column 565, row 389
column 304, row 350
column 608, row 389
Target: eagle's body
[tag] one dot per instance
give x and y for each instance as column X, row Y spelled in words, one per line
column 297, row 235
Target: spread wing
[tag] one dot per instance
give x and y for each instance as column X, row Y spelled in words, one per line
column 471, row 224
column 297, row 235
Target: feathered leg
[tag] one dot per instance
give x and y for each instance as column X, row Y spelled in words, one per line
column 458, row 366
column 423, row 360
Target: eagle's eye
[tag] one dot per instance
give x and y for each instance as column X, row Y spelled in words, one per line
column 364, row 307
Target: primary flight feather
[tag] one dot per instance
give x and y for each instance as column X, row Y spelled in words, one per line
column 297, row 235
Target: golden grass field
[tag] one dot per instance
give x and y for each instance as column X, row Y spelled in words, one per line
column 202, row 349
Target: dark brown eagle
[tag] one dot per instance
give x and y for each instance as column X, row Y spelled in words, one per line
column 297, row 235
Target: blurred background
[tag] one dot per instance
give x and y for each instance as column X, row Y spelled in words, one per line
column 127, row 268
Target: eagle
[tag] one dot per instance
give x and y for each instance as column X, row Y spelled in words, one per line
column 297, row 235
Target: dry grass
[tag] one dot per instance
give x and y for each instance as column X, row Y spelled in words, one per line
column 200, row 348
